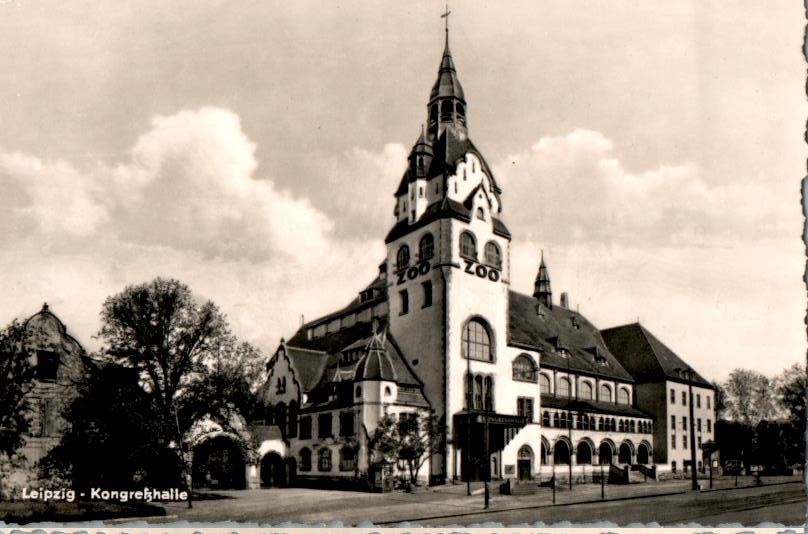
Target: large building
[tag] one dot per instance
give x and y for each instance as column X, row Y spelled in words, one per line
column 439, row 329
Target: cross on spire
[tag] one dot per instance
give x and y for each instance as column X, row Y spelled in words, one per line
column 445, row 15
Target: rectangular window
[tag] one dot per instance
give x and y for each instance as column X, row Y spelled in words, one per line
column 346, row 424
column 405, row 301
column 673, row 396
column 305, row 427
column 524, row 407
column 709, row 426
column 698, row 400
column 324, row 425
column 427, row 294
column 673, row 422
column 47, row 364
column 698, row 442
column 708, row 402
column 698, row 424
column 684, row 440
column 673, row 440
column 684, row 424
column 684, row 399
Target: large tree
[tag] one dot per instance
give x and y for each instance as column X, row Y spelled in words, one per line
column 792, row 388
column 750, row 397
column 413, row 438
column 16, row 382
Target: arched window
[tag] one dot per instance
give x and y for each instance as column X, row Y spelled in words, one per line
column 358, row 391
column 493, row 257
column 545, row 419
column 403, row 257
column 621, row 426
column 461, row 111
column 524, row 369
column 600, row 424
column 305, row 459
column 387, row 391
column 563, row 389
column 586, row 391
column 544, row 384
column 622, row 396
column 605, row 393
column 478, row 392
column 324, row 459
column 433, row 112
column 426, row 247
column 632, row 426
column 556, row 420
column 446, row 109
column 481, row 214
column 468, row 246
column 477, row 341
column 561, row 453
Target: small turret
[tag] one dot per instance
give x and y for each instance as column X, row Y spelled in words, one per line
column 541, row 288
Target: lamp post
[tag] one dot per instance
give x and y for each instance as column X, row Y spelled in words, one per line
column 469, row 400
column 688, row 373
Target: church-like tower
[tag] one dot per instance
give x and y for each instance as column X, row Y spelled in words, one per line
column 448, row 257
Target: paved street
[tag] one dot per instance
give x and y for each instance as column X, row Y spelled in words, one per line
column 780, row 500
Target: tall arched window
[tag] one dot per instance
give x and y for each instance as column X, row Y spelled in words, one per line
column 622, row 396
column 426, row 247
column 403, row 258
column 563, row 389
column 446, row 109
column 544, row 384
column 586, row 391
column 524, row 369
column 488, row 393
column 478, row 392
column 477, row 341
column 324, row 459
column 493, row 257
column 545, row 419
column 468, row 246
column 605, row 393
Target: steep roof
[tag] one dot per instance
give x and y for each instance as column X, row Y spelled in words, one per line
column 447, row 84
column 308, row 365
column 646, row 357
column 556, row 328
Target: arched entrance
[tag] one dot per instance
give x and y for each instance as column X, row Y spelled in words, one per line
column 219, row 463
column 561, row 452
column 273, row 471
column 624, row 453
column 583, row 453
column 643, row 454
column 605, row 452
column 524, row 463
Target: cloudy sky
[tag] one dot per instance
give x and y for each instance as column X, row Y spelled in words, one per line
column 652, row 149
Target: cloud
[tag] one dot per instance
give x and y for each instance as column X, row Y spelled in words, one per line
column 573, row 189
column 187, row 202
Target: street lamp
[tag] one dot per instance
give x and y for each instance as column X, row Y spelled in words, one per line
column 688, row 373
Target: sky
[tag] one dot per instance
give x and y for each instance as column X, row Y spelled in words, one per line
column 652, row 150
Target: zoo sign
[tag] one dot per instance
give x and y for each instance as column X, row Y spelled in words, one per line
column 413, row 272
column 481, row 271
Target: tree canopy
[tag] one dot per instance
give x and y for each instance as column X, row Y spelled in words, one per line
column 17, row 381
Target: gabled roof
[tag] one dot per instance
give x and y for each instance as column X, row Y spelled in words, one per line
column 308, row 366
column 646, row 357
column 450, row 148
column 442, row 209
column 555, row 328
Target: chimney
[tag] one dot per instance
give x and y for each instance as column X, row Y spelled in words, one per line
column 565, row 300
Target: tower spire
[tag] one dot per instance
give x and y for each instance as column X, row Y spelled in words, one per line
column 541, row 289
column 445, row 15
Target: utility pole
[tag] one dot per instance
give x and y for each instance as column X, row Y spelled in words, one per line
column 470, row 399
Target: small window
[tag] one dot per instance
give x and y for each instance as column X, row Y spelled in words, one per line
column 684, row 424
column 684, row 399
column 673, row 422
column 563, row 389
column 324, row 460
column 426, row 247
column 673, row 396
column 405, row 301
column 358, row 391
column 403, row 258
column 698, row 400
column 433, row 112
column 481, row 214
column 673, row 446
column 493, row 257
column 545, row 419
column 684, row 441
column 488, row 393
column 47, row 364
column 709, row 425
column 427, row 293
column 324, row 426
column 387, row 391
column 461, row 111
column 524, row 408
column 468, row 246
column 305, row 427
column 698, row 424
column 524, row 369
column 420, row 192
column 708, row 402
column 346, row 424
column 305, row 459
column 544, row 384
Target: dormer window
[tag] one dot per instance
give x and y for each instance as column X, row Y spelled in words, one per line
column 403, row 258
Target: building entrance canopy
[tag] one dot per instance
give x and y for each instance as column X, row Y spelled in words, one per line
column 470, row 429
